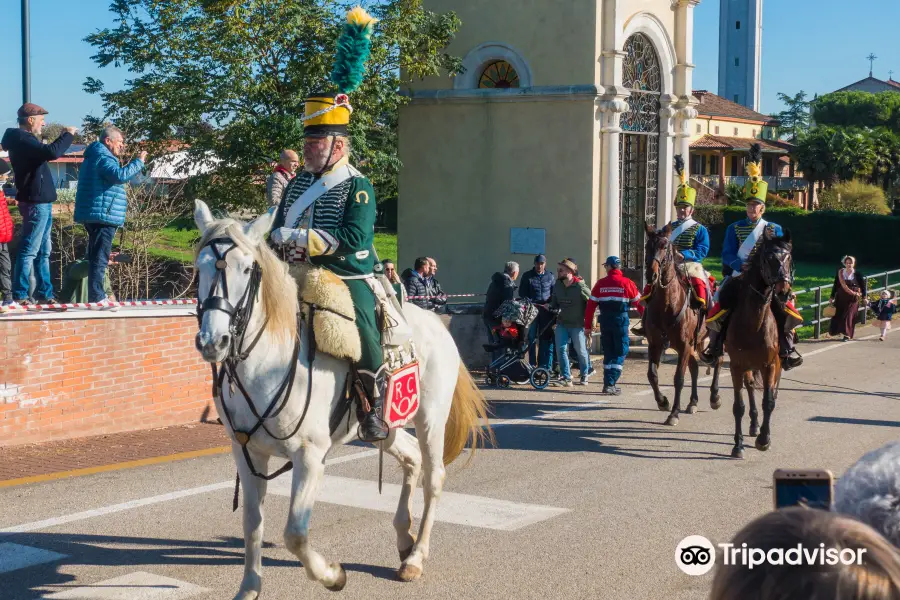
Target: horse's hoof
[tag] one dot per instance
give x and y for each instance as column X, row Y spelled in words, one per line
column 664, row 405
column 715, row 402
column 672, row 421
column 404, row 554
column 754, row 431
column 762, row 445
column 408, row 572
column 737, row 453
column 691, row 409
column 341, row 580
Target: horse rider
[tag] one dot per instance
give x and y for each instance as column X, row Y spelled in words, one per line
column 613, row 294
column 742, row 240
column 327, row 217
column 691, row 242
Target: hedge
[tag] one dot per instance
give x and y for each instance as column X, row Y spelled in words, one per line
column 820, row 236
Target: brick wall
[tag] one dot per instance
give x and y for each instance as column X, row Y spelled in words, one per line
column 65, row 378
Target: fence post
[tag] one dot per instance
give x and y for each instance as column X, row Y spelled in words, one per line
column 817, row 328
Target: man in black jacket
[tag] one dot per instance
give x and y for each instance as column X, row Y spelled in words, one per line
column 503, row 287
column 416, row 283
column 537, row 286
column 35, row 194
column 435, row 291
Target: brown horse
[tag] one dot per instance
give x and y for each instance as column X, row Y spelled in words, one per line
column 670, row 317
column 751, row 338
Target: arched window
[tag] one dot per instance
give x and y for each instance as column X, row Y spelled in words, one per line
column 499, row 75
column 639, row 149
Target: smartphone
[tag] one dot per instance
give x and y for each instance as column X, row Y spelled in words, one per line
column 813, row 488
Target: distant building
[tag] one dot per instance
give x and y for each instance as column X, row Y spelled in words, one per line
column 872, row 85
column 740, row 51
column 720, row 140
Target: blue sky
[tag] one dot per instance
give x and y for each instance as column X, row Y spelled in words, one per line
column 810, row 45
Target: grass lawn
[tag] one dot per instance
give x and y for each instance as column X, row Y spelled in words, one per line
column 810, row 275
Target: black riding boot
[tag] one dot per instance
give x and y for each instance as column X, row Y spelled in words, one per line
column 786, row 351
column 372, row 427
column 716, row 347
column 639, row 329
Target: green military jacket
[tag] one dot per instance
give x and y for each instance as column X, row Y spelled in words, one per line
column 341, row 225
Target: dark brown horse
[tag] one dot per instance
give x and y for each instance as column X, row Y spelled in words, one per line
column 752, row 337
column 669, row 317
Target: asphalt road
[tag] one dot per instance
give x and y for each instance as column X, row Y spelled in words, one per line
column 584, row 497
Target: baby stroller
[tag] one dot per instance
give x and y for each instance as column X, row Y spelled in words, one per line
column 512, row 366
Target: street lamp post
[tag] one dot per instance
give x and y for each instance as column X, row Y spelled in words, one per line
column 26, row 53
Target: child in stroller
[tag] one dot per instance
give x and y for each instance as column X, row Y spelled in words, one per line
column 511, row 365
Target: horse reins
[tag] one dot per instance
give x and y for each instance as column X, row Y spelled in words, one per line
column 663, row 265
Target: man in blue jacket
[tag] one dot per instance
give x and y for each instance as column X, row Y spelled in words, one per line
column 35, row 194
column 537, row 286
column 101, row 202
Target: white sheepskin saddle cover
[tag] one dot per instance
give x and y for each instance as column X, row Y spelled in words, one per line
column 694, row 269
column 335, row 335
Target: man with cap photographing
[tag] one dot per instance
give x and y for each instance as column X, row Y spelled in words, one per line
column 613, row 294
column 537, row 286
column 35, row 194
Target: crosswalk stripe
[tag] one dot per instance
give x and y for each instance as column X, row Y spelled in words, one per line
column 458, row 509
column 139, row 585
column 15, row 556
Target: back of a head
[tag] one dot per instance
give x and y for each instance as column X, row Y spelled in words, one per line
column 870, row 491
column 420, row 263
column 876, row 577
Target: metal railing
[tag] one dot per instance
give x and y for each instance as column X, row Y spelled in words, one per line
column 818, row 303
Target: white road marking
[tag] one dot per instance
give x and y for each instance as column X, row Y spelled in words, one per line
column 459, row 509
column 15, row 556
column 134, row 586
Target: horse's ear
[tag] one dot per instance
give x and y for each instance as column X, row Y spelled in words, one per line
column 202, row 215
column 261, row 226
column 666, row 231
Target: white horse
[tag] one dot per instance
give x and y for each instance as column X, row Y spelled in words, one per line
column 247, row 294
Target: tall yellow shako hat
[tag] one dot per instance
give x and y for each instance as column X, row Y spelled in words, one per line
column 685, row 194
column 755, row 188
column 327, row 114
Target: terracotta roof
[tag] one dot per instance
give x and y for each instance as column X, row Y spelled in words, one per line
column 889, row 82
column 896, row 84
column 712, row 105
column 721, row 142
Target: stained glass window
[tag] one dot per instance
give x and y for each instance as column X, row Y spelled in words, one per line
column 499, row 75
column 641, row 74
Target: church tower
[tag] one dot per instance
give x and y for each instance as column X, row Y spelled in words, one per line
column 740, row 51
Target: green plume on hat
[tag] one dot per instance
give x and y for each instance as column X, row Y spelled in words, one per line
column 353, row 49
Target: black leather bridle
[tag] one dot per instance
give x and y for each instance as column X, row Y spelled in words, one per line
column 239, row 318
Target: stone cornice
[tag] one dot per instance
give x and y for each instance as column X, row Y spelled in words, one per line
column 549, row 93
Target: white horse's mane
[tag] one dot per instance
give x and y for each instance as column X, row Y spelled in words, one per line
column 278, row 290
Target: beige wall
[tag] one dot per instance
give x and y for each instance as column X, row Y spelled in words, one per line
column 471, row 171
column 726, row 128
column 556, row 39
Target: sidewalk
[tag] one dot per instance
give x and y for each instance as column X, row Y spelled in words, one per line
column 54, row 460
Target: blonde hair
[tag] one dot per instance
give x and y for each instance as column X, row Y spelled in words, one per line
column 876, row 578
column 278, row 290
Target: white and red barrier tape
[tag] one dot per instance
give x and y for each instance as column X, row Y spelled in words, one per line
column 90, row 305
column 444, row 296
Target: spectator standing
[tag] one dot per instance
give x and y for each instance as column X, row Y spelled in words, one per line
column 101, row 202
column 537, row 286
column 416, row 283
column 570, row 297
column 281, row 176
column 6, row 232
column 849, row 286
column 502, row 288
column 35, row 194
column 613, row 294
column 438, row 297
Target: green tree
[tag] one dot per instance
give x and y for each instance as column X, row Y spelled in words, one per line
column 794, row 120
column 831, row 154
column 229, row 79
column 858, row 109
column 53, row 130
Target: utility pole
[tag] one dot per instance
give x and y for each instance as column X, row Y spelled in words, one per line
column 26, row 53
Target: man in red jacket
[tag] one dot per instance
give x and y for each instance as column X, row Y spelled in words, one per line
column 613, row 294
column 6, row 234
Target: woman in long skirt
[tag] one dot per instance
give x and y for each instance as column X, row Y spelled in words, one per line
column 849, row 286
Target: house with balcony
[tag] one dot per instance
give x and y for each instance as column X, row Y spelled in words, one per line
column 721, row 136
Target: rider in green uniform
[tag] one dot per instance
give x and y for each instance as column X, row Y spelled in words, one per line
column 327, row 215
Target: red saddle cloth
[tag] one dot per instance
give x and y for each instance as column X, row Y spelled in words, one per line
column 402, row 398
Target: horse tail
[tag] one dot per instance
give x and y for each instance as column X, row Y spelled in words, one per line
column 468, row 418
